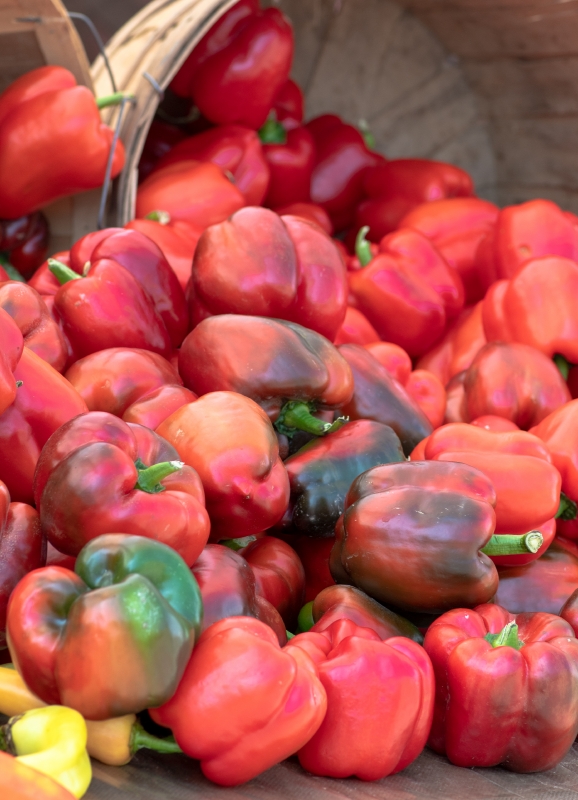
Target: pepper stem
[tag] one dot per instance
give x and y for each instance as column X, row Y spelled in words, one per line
column 368, row 136
column 163, row 217
column 112, row 99
column 11, row 271
column 507, row 637
column 149, row 478
column 363, row 247
column 563, row 365
column 238, row 544
column 305, row 619
column 567, row 509
column 296, row 415
column 273, row 132
column 61, row 272
column 509, row 544
column 140, row 739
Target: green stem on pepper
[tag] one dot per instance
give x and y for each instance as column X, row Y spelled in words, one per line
column 509, row 544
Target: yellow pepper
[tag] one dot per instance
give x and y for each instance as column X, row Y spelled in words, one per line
column 112, row 741
column 51, row 740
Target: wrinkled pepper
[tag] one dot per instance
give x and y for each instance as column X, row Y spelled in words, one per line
column 132, row 604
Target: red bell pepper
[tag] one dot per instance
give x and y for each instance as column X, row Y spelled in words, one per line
column 531, row 230
column 356, row 329
column 536, row 307
column 219, row 36
column 514, row 381
column 236, row 150
column 101, row 487
column 393, row 189
column 341, row 163
column 43, row 403
column 428, row 392
column 24, row 242
column 340, row 602
column 279, row 575
column 311, row 212
column 291, row 157
column 243, row 703
column 459, row 437
column 108, row 308
column 289, row 105
column 21, row 782
column 314, row 556
column 457, row 227
column 162, row 136
column 286, row 368
column 260, row 264
column 417, row 535
column 45, row 283
column 231, row 443
column 378, row 396
column 393, row 358
column 496, row 424
column 41, row 333
column 12, row 345
column 112, row 380
column 44, row 112
column 229, row 589
column 459, row 346
column 98, row 426
column 488, row 660
column 193, row 191
column 154, row 407
column 543, row 585
column 22, row 549
column 380, row 699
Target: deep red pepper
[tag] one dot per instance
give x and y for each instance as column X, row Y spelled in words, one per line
column 24, row 242
column 45, row 112
column 229, row 589
column 22, row 549
column 291, row 157
column 112, row 380
column 45, row 283
column 429, row 393
column 162, row 136
column 12, row 345
column 314, row 556
column 309, row 211
column 457, row 227
column 289, row 105
column 43, row 403
column 261, row 264
column 393, row 189
column 154, row 407
column 458, row 347
column 488, row 660
column 341, row 163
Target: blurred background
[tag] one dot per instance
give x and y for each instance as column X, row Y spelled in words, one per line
column 107, row 15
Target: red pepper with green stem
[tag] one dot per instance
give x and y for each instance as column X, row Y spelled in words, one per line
column 132, row 604
column 286, row 368
column 487, row 660
column 380, row 698
column 44, row 111
column 24, row 242
column 291, row 158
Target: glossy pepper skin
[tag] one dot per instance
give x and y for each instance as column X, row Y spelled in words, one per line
column 12, row 346
column 40, row 331
column 243, row 704
column 459, row 346
column 52, row 740
column 229, row 440
column 290, row 156
column 268, row 360
column 113, row 379
column 537, row 390
column 279, row 575
column 22, row 549
column 411, row 536
column 192, row 191
column 348, row 602
column 235, row 149
column 229, row 589
column 153, row 408
column 487, row 660
column 238, row 82
column 314, row 556
column 378, row 396
column 380, row 698
column 45, row 112
column 20, row 782
column 356, row 329
column 132, row 604
column 543, row 585
column 289, row 105
column 261, row 264
column 394, row 188
column 100, row 487
column 108, row 308
column 43, row 403
column 532, row 309
column 429, row 393
column 456, row 227
column 341, row 163
column 25, row 242
column 321, row 472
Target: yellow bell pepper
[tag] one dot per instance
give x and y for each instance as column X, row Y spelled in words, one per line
column 51, row 740
column 112, row 741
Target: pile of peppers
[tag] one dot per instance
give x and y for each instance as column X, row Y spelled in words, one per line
column 288, row 463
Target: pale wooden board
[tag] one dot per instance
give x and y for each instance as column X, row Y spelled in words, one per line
column 151, row 777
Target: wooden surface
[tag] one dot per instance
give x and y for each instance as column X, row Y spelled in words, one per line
column 152, row 776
